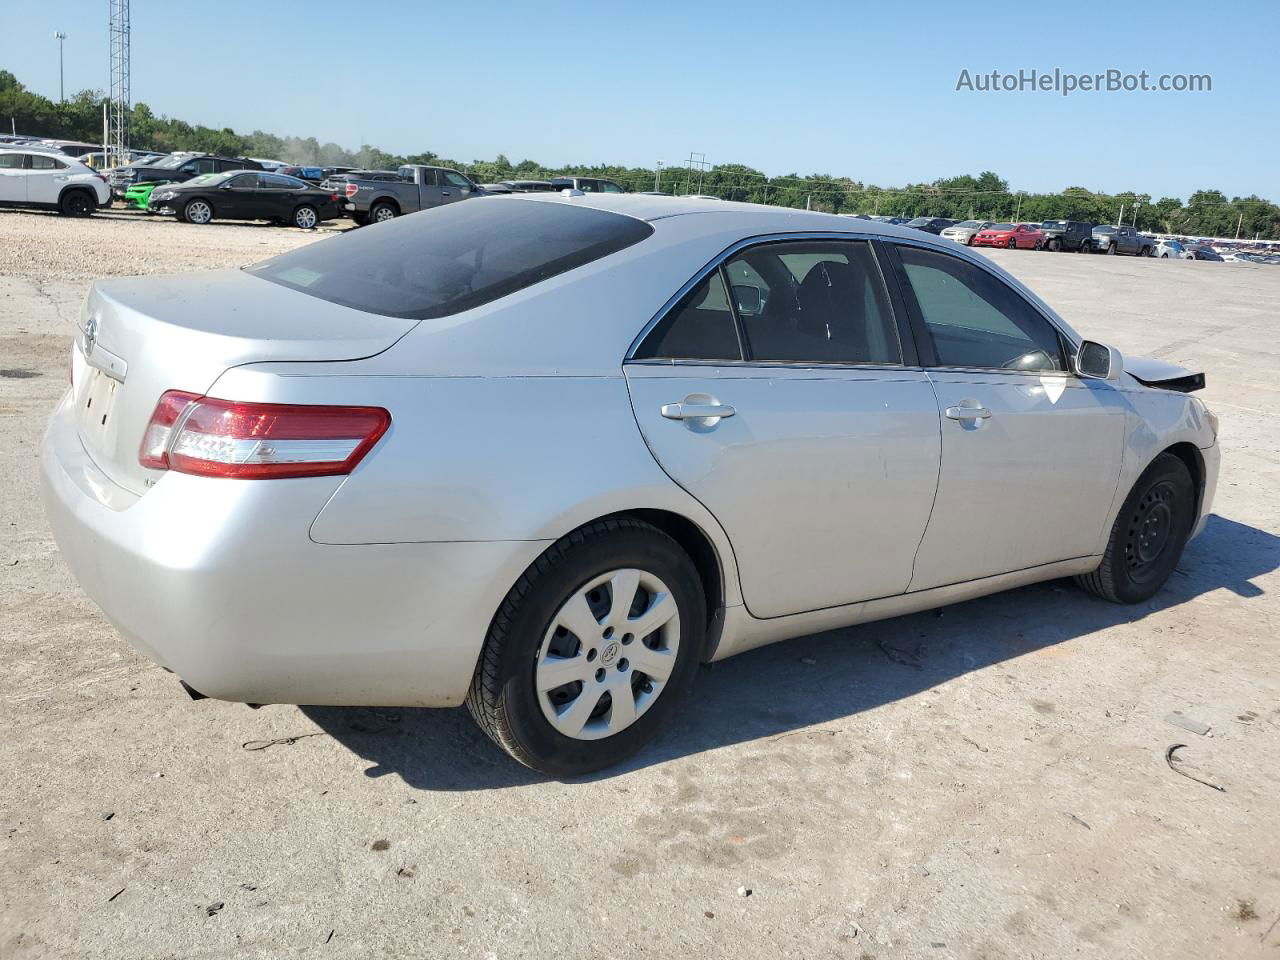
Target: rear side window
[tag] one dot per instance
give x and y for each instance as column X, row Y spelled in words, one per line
column 452, row 258
column 40, row 161
column 699, row 327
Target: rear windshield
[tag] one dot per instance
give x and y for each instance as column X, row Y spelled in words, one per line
column 443, row 261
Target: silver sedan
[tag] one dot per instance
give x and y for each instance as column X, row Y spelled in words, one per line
column 545, row 454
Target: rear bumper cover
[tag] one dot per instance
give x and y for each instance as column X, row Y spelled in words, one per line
column 218, row 581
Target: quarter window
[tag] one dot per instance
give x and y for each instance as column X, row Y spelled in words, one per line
column 699, row 327
column 813, row 301
column 977, row 320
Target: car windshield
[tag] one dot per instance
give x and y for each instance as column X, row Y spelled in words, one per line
column 1001, row 226
column 452, row 258
column 206, row 178
column 170, row 163
column 919, row 221
column 1054, row 225
column 1104, row 229
column 968, row 224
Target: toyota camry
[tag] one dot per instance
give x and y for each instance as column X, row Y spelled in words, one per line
column 545, row 454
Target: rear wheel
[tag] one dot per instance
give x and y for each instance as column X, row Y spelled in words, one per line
column 76, row 203
column 381, row 212
column 306, row 217
column 1148, row 536
column 197, row 211
column 591, row 650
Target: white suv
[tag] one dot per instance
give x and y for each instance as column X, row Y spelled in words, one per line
column 30, row 177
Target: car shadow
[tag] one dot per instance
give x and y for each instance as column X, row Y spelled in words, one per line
column 788, row 687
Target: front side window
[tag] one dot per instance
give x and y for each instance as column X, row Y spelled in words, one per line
column 11, row 161
column 452, row 258
column 608, row 186
column 813, row 301
column 455, row 179
column 246, row 181
column 699, row 327
column 977, row 320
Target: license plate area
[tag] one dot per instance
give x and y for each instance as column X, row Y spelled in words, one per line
column 97, row 407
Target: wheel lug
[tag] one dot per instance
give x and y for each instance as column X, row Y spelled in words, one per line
column 627, row 638
column 608, row 632
column 622, row 665
column 591, row 654
column 600, row 675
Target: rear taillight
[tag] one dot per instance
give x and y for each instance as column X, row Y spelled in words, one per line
column 351, row 189
column 221, row 438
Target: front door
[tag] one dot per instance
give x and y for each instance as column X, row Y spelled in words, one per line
column 453, row 186
column 1030, row 453
column 239, row 198
column 13, row 178
column 791, row 416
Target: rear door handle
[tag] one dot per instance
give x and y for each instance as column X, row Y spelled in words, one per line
column 696, row 411
column 967, row 413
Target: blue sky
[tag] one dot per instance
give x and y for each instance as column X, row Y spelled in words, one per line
column 865, row 90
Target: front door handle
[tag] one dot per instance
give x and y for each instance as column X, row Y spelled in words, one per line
column 696, row 411
column 963, row 412
column 444, row 193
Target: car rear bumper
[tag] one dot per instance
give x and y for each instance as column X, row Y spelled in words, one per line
column 218, row 581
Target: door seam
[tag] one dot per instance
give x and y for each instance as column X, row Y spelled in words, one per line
column 937, row 404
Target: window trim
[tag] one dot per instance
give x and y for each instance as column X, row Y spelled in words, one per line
column 908, row 348
column 924, row 337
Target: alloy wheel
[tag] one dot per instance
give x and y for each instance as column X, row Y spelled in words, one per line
column 382, row 214
column 305, row 217
column 607, row 654
column 199, row 212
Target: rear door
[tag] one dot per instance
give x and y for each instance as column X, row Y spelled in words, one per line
column 46, row 176
column 795, row 416
column 430, row 193
column 278, row 194
column 13, row 178
column 1030, row 453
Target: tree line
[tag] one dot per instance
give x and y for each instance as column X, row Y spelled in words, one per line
column 985, row 196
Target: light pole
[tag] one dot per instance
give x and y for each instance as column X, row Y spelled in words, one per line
column 60, row 36
column 657, row 176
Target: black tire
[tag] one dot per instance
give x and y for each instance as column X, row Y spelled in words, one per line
column 306, row 217
column 1148, row 536
column 381, row 212
column 77, row 203
column 360, row 219
column 502, row 698
column 1086, row 246
column 1012, row 244
column 1055, row 245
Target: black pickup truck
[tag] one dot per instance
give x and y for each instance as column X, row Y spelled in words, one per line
column 176, row 168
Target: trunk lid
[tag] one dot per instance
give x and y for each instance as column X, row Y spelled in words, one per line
column 141, row 336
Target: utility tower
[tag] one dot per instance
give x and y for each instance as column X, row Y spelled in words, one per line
column 117, row 144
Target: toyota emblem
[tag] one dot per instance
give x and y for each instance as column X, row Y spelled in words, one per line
column 90, row 335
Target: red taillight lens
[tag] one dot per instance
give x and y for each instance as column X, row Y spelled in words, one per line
column 351, row 189
column 222, row 438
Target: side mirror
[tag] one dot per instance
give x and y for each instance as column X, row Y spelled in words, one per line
column 1096, row 361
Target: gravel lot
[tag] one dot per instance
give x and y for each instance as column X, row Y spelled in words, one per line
column 984, row 782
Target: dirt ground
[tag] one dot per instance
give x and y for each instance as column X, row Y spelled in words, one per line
column 988, row 781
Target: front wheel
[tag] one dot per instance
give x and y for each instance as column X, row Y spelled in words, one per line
column 76, row 203
column 1012, row 244
column 1055, row 246
column 1111, row 248
column 591, row 650
column 305, row 218
column 1148, row 536
column 197, row 211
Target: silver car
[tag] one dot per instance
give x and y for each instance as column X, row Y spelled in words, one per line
column 545, row 454
column 965, row 231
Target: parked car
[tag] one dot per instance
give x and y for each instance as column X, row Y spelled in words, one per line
column 314, row 174
column 933, row 225
column 138, row 195
column 529, row 186
column 39, row 179
column 1202, row 251
column 104, row 160
column 71, row 148
column 586, row 184
column 496, row 188
column 965, row 230
column 1167, row 248
column 177, row 168
column 345, row 475
column 1069, row 235
column 419, row 187
column 1109, row 239
column 1015, row 236
column 246, row 195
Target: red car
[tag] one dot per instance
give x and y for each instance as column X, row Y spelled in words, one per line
column 1012, row 235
